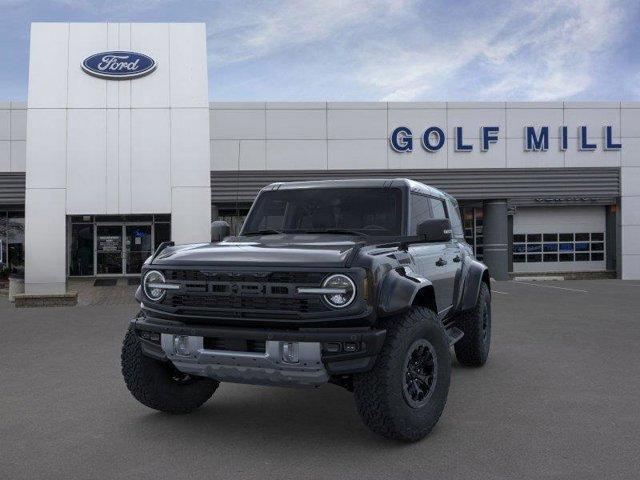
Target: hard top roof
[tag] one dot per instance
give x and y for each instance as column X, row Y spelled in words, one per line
column 412, row 185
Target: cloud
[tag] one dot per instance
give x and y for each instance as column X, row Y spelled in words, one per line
column 238, row 35
column 547, row 50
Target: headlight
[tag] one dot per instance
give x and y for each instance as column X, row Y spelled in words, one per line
column 344, row 290
column 150, row 290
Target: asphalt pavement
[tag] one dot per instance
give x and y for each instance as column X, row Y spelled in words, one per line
column 559, row 398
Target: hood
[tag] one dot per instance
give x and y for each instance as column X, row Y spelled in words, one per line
column 305, row 250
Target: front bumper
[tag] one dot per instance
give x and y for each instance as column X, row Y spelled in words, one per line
column 315, row 366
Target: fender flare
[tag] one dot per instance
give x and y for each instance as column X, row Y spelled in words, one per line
column 399, row 289
column 477, row 273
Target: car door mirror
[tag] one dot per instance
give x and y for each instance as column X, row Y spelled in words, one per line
column 219, row 230
column 435, row 230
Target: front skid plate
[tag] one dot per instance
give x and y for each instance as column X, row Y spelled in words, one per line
column 249, row 367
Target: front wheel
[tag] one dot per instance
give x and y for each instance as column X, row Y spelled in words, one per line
column 159, row 385
column 404, row 394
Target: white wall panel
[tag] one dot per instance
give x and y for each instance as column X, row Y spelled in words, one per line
column 253, row 155
column 5, row 124
column 630, row 211
column 48, row 62
column 190, row 165
column 188, row 53
column 18, row 156
column 495, row 157
column 45, row 241
column 630, row 120
column 150, row 161
column 356, row 124
column 86, row 161
column 357, row 154
column 152, row 91
column 224, row 154
column 47, row 148
column 124, row 161
column 112, row 162
column 630, row 181
column 18, row 124
column 191, row 215
column 297, row 154
column 237, row 124
column 631, row 239
column 630, row 153
column 630, row 267
column 471, row 119
column 86, row 91
column 296, row 124
column 5, row 156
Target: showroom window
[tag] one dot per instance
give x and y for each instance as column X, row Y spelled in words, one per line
column 11, row 242
column 472, row 220
column 558, row 247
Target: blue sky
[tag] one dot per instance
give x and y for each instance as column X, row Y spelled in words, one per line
column 363, row 50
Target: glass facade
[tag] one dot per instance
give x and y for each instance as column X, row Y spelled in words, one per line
column 472, row 218
column 11, row 242
column 114, row 245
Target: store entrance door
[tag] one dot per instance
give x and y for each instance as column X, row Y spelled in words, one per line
column 122, row 249
column 138, row 247
column 108, row 256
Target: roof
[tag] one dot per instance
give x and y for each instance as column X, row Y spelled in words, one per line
column 411, row 185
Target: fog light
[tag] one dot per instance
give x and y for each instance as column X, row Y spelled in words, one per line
column 181, row 345
column 290, row 352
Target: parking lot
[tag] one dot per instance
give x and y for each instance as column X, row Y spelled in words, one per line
column 559, row 398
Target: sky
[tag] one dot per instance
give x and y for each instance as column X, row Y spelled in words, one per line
column 377, row 50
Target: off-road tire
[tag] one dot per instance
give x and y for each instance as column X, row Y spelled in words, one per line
column 472, row 350
column 379, row 393
column 152, row 382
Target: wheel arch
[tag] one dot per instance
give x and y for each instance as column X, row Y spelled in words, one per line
column 401, row 289
column 477, row 274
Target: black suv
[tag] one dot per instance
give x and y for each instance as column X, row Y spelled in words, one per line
column 362, row 283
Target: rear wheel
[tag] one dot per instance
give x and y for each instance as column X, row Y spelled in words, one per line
column 472, row 350
column 403, row 396
column 159, row 385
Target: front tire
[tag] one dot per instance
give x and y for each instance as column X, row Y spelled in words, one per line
column 404, row 394
column 472, row 350
column 159, row 385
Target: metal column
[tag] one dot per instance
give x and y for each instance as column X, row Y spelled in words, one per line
column 496, row 238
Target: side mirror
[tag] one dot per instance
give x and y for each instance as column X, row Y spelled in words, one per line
column 435, row 230
column 219, row 230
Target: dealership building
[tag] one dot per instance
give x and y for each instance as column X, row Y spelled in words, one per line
column 118, row 148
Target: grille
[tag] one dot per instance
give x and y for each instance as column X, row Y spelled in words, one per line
column 228, row 302
column 244, row 294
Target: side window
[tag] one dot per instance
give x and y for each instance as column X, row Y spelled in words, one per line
column 454, row 215
column 437, row 206
column 420, row 212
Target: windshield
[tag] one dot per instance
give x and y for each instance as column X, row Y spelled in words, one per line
column 369, row 211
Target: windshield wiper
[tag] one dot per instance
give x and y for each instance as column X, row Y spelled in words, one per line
column 346, row 231
column 262, row 232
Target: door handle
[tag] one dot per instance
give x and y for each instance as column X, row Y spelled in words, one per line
column 456, row 258
column 441, row 262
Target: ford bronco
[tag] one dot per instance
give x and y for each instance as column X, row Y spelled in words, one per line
column 365, row 284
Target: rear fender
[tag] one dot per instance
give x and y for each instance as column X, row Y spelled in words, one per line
column 402, row 287
column 476, row 274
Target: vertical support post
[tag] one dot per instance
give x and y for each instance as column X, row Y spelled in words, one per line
column 496, row 238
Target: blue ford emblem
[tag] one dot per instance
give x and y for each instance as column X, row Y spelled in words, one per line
column 118, row 65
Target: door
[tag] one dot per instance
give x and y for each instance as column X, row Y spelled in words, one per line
column 434, row 261
column 109, row 258
column 138, row 247
column 448, row 259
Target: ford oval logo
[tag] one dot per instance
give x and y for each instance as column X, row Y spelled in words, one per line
column 118, row 65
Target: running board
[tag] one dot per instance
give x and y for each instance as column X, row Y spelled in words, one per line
column 453, row 335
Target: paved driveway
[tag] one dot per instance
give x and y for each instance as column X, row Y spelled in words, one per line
column 559, row 398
